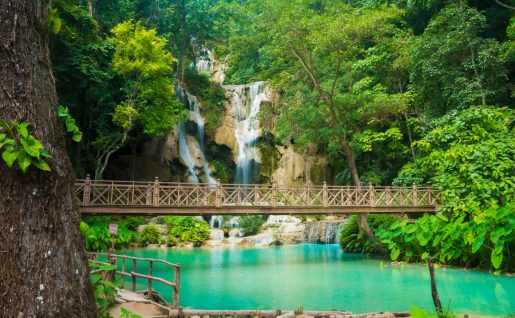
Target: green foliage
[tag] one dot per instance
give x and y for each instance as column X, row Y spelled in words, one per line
column 150, row 235
column 104, row 291
column 128, row 314
column 211, row 96
column 221, row 171
column 22, row 147
column 186, row 229
column 250, row 224
column 69, row 123
column 417, row 312
column 470, row 157
column 54, row 22
column 453, row 59
column 95, row 230
column 141, row 58
column 352, row 239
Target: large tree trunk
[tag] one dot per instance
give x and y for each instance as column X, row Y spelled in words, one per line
column 43, row 265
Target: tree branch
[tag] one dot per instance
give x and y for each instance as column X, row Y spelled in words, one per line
column 504, row 5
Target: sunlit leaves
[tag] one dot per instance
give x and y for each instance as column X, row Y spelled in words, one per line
column 69, row 123
column 141, row 57
column 21, row 147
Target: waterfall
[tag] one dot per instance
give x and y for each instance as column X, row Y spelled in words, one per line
column 216, row 221
column 208, row 64
column 193, row 105
column 246, row 101
column 194, row 115
column 322, row 231
column 184, row 152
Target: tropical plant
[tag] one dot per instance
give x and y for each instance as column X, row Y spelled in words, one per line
column 186, row 229
column 95, row 230
column 104, row 290
column 352, row 239
column 469, row 155
column 22, row 147
column 250, row 224
column 150, row 235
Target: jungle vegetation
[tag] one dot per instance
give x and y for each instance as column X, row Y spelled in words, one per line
column 392, row 92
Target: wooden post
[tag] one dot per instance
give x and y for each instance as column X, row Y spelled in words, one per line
column 388, row 196
column 415, row 195
column 133, row 276
column 111, row 193
column 177, row 287
column 324, row 195
column 434, row 291
column 274, row 194
column 148, row 198
column 86, row 195
column 371, row 195
column 218, row 193
column 149, row 290
column 155, row 192
column 124, row 263
column 256, row 195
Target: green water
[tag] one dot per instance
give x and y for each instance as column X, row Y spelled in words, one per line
column 322, row 277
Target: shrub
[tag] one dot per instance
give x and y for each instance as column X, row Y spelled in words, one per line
column 352, row 239
column 250, row 224
column 186, row 229
column 150, row 235
column 95, row 230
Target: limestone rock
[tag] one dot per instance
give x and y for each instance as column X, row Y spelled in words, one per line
column 299, row 168
column 170, row 146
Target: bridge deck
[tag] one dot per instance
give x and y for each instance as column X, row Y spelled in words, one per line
column 159, row 198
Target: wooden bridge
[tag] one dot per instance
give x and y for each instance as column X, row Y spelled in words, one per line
column 160, row 198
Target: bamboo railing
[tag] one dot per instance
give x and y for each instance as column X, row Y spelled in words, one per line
column 133, row 274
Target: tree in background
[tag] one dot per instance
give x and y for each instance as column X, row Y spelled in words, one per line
column 454, row 66
column 150, row 107
column 43, row 264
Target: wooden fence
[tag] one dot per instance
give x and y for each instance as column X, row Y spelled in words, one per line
column 133, row 274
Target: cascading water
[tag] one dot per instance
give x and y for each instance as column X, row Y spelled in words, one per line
column 184, row 153
column 246, row 101
column 193, row 105
column 325, row 232
column 194, row 115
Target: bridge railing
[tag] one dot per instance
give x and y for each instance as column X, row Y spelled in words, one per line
column 148, row 264
column 171, row 194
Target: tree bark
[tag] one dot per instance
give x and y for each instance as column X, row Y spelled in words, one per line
column 434, row 291
column 43, row 264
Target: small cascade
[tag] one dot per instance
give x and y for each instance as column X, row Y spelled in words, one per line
column 216, row 222
column 184, row 152
column 278, row 219
column 322, row 231
column 209, row 65
column 331, row 232
column 246, row 101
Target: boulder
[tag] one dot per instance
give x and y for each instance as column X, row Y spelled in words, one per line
column 235, row 233
column 299, row 168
